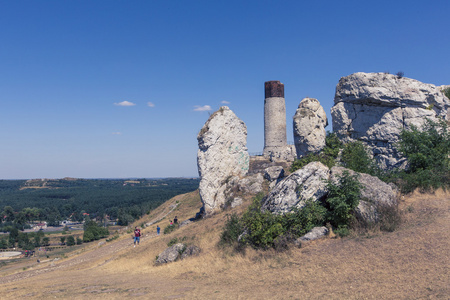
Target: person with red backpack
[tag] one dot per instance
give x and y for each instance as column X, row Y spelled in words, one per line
column 137, row 236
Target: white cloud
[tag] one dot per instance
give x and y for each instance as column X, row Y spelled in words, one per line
column 117, row 133
column 125, row 103
column 202, row 108
column 225, row 102
column 150, row 104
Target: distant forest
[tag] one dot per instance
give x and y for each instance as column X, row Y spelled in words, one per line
column 54, row 200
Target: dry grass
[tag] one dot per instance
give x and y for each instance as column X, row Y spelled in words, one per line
column 410, row 263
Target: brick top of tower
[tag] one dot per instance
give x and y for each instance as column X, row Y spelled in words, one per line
column 274, row 89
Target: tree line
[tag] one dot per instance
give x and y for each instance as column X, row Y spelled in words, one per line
column 73, row 199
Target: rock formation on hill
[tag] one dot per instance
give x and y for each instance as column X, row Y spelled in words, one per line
column 310, row 121
column 375, row 107
column 294, row 190
column 310, row 183
column 222, row 155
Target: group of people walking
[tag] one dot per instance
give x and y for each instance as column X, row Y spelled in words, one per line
column 137, row 231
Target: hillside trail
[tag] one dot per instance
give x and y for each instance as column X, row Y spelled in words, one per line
column 104, row 251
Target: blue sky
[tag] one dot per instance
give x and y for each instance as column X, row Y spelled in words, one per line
column 68, row 68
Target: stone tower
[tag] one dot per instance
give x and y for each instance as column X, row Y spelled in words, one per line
column 275, row 142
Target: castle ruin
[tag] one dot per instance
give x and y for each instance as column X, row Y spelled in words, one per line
column 275, row 141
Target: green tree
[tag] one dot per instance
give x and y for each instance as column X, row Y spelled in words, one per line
column 14, row 234
column 70, row 240
column 3, row 243
column 63, row 240
column 93, row 231
column 8, row 212
column 45, row 241
column 37, row 241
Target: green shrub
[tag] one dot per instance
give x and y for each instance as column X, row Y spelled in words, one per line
column 447, row 92
column 172, row 242
column 70, row 240
column 300, row 221
column 342, row 231
column 262, row 229
column 170, row 228
column 355, row 157
column 232, row 230
column 342, row 199
column 427, row 152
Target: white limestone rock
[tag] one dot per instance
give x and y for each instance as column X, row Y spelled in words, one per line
column 314, row 234
column 294, row 190
column 309, row 123
column 171, row 254
column 222, row 155
column 375, row 107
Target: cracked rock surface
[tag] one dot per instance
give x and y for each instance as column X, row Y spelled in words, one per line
column 375, row 107
column 222, row 155
column 294, row 190
column 309, row 124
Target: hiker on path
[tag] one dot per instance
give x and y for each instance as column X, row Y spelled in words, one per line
column 158, row 229
column 175, row 221
column 137, row 236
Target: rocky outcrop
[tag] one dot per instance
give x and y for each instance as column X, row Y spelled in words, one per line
column 222, row 155
column 311, row 182
column 294, row 190
column 191, row 251
column 374, row 194
column 310, row 121
column 375, row 107
column 177, row 251
column 171, row 254
column 236, row 188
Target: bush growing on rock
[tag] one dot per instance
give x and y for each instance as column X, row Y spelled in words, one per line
column 262, row 229
column 343, row 198
column 447, row 92
column 356, row 158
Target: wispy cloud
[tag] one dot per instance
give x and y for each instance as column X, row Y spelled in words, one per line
column 202, row 108
column 225, row 102
column 150, row 104
column 117, row 133
column 125, row 103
